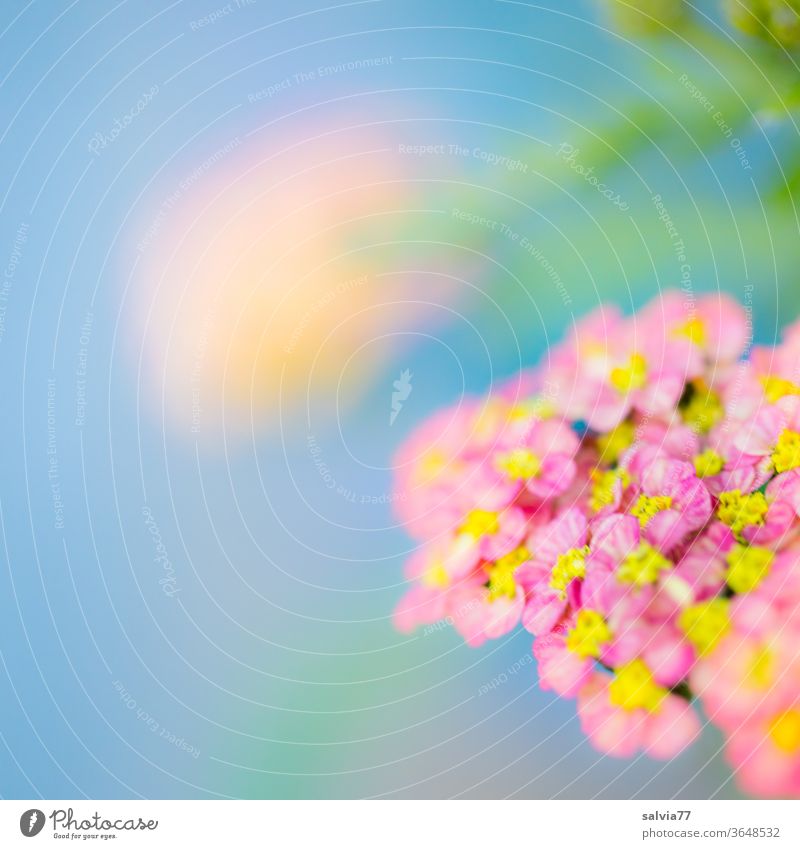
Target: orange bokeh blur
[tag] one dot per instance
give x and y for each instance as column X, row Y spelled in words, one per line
column 260, row 274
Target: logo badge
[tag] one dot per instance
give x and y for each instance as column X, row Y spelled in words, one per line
column 402, row 389
column 31, row 822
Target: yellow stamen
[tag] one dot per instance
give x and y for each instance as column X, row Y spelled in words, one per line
column 748, row 566
column 634, row 688
column 633, row 376
column 776, row 388
column 501, row 574
column 519, row 464
column 703, row 409
column 480, row 523
column 648, row 505
column 705, row 624
column 708, row 463
column 786, row 455
column 603, row 487
column 761, row 668
column 429, row 467
column 538, row 408
column 694, row 330
column 612, row 444
column 490, row 418
column 642, row 566
column 785, row 731
column 436, row 576
column 589, row 635
column 739, row 511
column 570, row 565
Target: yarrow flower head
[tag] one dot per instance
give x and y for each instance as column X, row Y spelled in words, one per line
column 634, row 503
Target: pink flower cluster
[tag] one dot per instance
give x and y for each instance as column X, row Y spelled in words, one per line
column 634, row 503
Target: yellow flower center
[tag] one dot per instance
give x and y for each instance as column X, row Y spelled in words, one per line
column 705, row 624
column 540, row 408
column 435, row 576
column 703, row 409
column 480, row 523
column 603, row 487
column 570, row 565
column 432, row 464
column 785, row 731
column 761, row 667
column 786, row 455
column 633, row 376
column 519, row 464
column 648, row 505
column 776, row 388
column 589, row 635
column 490, row 418
column 634, row 687
column 694, row 330
column 739, row 511
column 708, row 463
column 501, row 574
column 612, row 444
column 643, row 566
column 748, row 566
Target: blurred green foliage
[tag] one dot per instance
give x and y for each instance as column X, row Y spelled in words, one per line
column 777, row 20
column 649, row 16
column 704, row 119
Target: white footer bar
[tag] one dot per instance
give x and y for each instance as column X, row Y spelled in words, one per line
column 402, row 824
